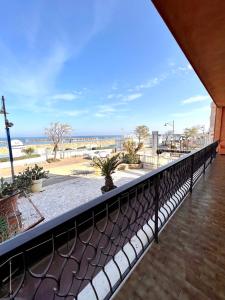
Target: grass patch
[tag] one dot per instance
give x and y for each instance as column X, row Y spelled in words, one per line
column 5, row 159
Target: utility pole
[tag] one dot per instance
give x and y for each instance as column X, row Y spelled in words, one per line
column 7, row 126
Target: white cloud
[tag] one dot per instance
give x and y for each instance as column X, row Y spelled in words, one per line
column 148, row 84
column 100, row 115
column 189, row 66
column 181, row 69
column 110, row 96
column 74, row 113
column 65, row 97
column 194, row 99
column 131, row 97
column 106, row 108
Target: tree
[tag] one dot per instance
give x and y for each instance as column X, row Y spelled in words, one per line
column 168, row 133
column 130, row 147
column 141, row 132
column 107, row 166
column 56, row 133
column 191, row 132
column 28, row 151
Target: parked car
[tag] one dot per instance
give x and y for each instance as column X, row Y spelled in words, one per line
column 100, row 154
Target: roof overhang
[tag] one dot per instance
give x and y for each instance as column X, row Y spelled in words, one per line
column 199, row 28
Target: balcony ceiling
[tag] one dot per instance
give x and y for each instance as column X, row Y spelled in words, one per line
column 199, row 28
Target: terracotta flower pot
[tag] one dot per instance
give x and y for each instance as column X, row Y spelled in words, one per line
column 8, row 205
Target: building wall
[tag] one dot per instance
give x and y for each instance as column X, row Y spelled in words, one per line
column 212, row 121
column 219, row 131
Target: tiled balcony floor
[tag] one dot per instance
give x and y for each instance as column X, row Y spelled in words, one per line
column 189, row 261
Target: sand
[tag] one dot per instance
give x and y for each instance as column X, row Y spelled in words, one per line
column 62, row 167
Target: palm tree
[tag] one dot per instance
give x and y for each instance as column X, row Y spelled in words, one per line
column 132, row 149
column 107, row 166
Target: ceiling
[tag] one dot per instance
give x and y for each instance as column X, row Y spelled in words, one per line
column 199, row 28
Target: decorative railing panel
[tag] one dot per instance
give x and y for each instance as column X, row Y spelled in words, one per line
column 87, row 252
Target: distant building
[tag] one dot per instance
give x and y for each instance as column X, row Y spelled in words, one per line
column 17, row 147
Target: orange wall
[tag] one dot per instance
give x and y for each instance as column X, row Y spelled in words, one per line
column 219, row 131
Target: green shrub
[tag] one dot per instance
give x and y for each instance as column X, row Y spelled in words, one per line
column 5, row 159
column 28, row 151
column 131, row 159
column 7, row 188
column 23, row 180
column 35, row 173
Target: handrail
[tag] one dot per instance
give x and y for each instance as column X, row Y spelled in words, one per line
column 102, row 229
column 47, row 226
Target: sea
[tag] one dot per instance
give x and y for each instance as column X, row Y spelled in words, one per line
column 73, row 139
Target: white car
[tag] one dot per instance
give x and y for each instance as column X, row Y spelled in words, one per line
column 99, row 154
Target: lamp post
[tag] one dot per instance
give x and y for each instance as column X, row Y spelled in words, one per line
column 181, row 139
column 170, row 124
column 7, row 126
column 188, row 140
column 171, row 143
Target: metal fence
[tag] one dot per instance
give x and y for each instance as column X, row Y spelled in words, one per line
column 87, row 252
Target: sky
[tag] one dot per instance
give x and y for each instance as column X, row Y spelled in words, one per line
column 104, row 67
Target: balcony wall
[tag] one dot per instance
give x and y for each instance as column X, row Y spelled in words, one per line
column 219, row 133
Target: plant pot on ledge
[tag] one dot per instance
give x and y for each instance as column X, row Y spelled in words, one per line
column 105, row 189
column 34, row 178
column 36, row 185
column 135, row 166
column 107, row 166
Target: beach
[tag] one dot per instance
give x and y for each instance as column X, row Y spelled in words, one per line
column 74, row 144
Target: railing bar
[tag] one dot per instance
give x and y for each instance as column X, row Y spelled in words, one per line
column 157, row 195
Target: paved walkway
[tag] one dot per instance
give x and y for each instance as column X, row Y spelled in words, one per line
column 189, row 261
column 62, row 193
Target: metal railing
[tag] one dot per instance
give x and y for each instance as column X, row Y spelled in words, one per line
column 87, row 252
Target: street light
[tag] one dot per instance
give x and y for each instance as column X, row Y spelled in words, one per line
column 170, row 124
column 171, row 143
column 7, row 126
column 181, row 139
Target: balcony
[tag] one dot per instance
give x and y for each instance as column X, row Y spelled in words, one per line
column 189, row 261
column 88, row 252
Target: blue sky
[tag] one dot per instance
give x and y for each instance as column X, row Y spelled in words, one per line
column 103, row 67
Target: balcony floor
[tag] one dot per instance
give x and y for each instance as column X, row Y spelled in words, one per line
column 189, row 261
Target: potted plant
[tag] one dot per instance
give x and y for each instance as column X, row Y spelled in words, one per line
column 9, row 192
column 131, row 157
column 107, row 166
column 34, row 176
column 24, row 182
